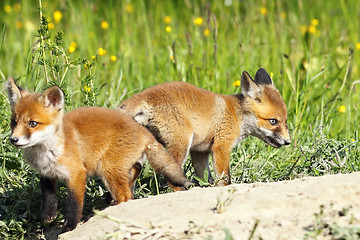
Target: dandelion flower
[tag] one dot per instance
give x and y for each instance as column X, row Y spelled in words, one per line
column 312, row 29
column 357, row 46
column 167, row 19
column 271, row 74
column 104, row 25
column 51, row 25
column 168, row 29
column 206, row 32
column 263, row 11
column 171, row 57
column 19, row 25
column 129, row 8
column 17, row 7
column 87, row 89
column 101, row 52
column 71, row 49
column 198, row 21
column 314, row 22
column 353, row 140
column 7, row 8
column 236, row 83
column 283, row 15
column 342, row 109
column 113, row 58
column 57, row 15
column 93, row 57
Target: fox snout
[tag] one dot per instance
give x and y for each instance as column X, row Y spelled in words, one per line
column 13, row 140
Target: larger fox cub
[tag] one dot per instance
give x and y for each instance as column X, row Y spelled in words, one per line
column 86, row 141
column 187, row 119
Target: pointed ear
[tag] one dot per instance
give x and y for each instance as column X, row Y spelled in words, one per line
column 262, row 77
column 249, row 87
column 15, row 92
column 53, row 98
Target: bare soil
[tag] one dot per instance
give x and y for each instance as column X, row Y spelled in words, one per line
column 278, row 210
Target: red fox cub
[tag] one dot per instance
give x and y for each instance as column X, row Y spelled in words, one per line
column 86, row 141
column 187, row 119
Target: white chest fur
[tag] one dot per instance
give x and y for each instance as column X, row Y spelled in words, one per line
column 44, row 158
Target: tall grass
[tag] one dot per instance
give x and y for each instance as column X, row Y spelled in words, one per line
column 310, row 48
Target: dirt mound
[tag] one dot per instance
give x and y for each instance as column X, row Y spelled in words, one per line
column 279, row 210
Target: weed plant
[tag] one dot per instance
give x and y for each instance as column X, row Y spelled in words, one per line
column 101, row 52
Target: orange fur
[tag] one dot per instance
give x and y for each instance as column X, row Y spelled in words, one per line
column 83, row 142
column 187, row 119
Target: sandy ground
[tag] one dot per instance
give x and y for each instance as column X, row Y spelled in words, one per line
column 280, row 210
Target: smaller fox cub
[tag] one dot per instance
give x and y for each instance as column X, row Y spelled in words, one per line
column 86, row 141
column 187, row 119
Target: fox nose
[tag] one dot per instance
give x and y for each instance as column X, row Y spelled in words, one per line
column 14, row 140
column 287, row 142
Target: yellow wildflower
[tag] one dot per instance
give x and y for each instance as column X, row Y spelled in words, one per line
column 7, row 8
column 19, row 25
column 236, row 83
column 71, row 49
column 129, row 8
column 312, row 29
column 74, row 44
column 93, row 57
column 167, row 19
column 283, row 15
column 168, row 29
column 104, row 25
column 101, row 52
column 271, row 74
column 51, row 26
column 171, row 57
column 314, row 22
column 357, row 46
column 113, row 58
column 342, row 109
column 198, row 21
column 87, row 89
column 17, row 7
column 206, row 32
column 263, row 11
column 57, row 15
column 353, row 140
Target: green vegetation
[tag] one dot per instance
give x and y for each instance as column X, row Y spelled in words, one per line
column 101, row 52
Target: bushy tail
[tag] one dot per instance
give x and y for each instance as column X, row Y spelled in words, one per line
column 164, row 164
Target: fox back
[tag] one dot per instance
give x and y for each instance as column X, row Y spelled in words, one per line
column 190, row 120
column 83, row 142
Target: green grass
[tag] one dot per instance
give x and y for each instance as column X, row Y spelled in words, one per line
column 316, row 69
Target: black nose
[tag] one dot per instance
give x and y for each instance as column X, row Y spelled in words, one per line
column 14, row 140
column 287, row 142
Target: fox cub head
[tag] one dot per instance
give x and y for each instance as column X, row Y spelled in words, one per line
column 265, row 108
column 35, row 116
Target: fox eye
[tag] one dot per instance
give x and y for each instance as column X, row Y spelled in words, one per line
column 13, row 122
column 273, row 121
column 33, row 124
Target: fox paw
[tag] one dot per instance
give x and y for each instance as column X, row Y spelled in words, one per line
column 48, row 216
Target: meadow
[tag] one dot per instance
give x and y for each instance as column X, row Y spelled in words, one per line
column 101, row 52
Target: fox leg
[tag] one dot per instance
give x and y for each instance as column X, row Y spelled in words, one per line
column 119, row 182
column 221, row 158
column 49, row 199
column 200, row 161
column 75, row 200
column 134, row 174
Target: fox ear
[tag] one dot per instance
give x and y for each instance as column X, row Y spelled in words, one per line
column 53, row 98
column 249, row 87
column 262, row 77
column 15, row 92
